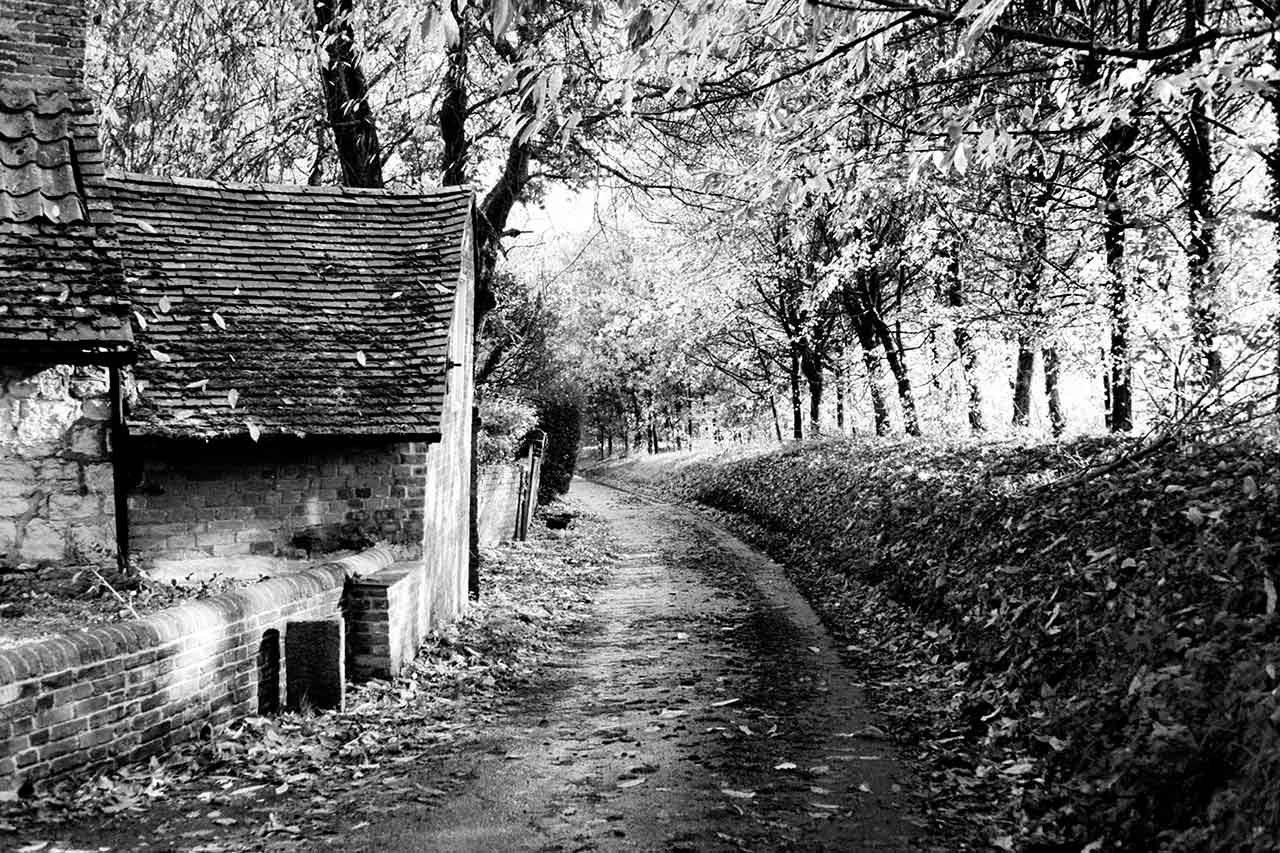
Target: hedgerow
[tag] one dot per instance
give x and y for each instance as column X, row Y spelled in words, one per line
column 561, row 419
column 1116, row 631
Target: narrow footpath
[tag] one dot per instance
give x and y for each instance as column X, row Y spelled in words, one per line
column 703, row 708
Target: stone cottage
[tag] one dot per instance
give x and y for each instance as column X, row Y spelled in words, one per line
column 304, row 374
column 64, row 327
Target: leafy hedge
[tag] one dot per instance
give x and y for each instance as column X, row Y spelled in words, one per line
column 505, row 420
column 561, row 420
column 1116, row 632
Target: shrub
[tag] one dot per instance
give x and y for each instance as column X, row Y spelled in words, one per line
column 505, row 420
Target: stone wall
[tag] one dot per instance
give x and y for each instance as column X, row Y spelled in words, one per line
column 284, row 497
column 90, row 699
column 56, row 486
column 498, row 502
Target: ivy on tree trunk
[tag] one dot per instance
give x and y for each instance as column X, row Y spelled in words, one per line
column 346, row 97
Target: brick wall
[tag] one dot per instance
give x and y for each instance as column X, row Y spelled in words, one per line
column 232, row 499
column 87, row 699
column 498, row 502
column 42, row 42
column 56, row 488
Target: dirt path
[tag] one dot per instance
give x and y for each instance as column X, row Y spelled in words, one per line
column 704, row 709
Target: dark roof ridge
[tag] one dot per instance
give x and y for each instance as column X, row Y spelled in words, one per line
column 282, row 188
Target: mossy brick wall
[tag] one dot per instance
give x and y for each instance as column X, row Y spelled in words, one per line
column 89, row 699
column 236, row 498
column 497, row 503
column 56, row 486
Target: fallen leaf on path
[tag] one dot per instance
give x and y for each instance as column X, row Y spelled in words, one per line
column 738, row 795
column 865, row 731
column 786, row 765
column 631, row 783
column 723, row 702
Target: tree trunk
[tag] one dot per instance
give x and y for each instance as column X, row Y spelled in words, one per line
column 1107, row 406
column 777, row 421
column 1022, row 383
column 1202, row 242
column 964, row 340
column 811, row 369
column 1057, row 419
column 1034, row 248
column 1273, row 166
column 1115, row 147
column 840, row 394
column 897, row 359
column 871, row 361
column 453, row 107
column 346, row 96
column 797, row 416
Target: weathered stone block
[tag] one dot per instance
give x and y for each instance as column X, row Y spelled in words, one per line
column 96, row 410
column 41, row 541
column 88, row 441
column 8, row 536
column 14, row 507
column 99, row 478
column 17, row 472
column 15, row 488
column 67, row 507
column 315, row 653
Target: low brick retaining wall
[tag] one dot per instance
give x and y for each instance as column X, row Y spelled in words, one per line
column 89, row 699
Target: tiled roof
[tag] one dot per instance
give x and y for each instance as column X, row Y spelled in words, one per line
column 300, row 310
column 62, row 293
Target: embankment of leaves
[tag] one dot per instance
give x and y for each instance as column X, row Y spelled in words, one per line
column 1111, row 638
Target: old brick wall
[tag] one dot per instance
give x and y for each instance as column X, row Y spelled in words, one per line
column 498, row 502
column 234, row 498
column 56, row 488
column 42, row 41
column 116, row 693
